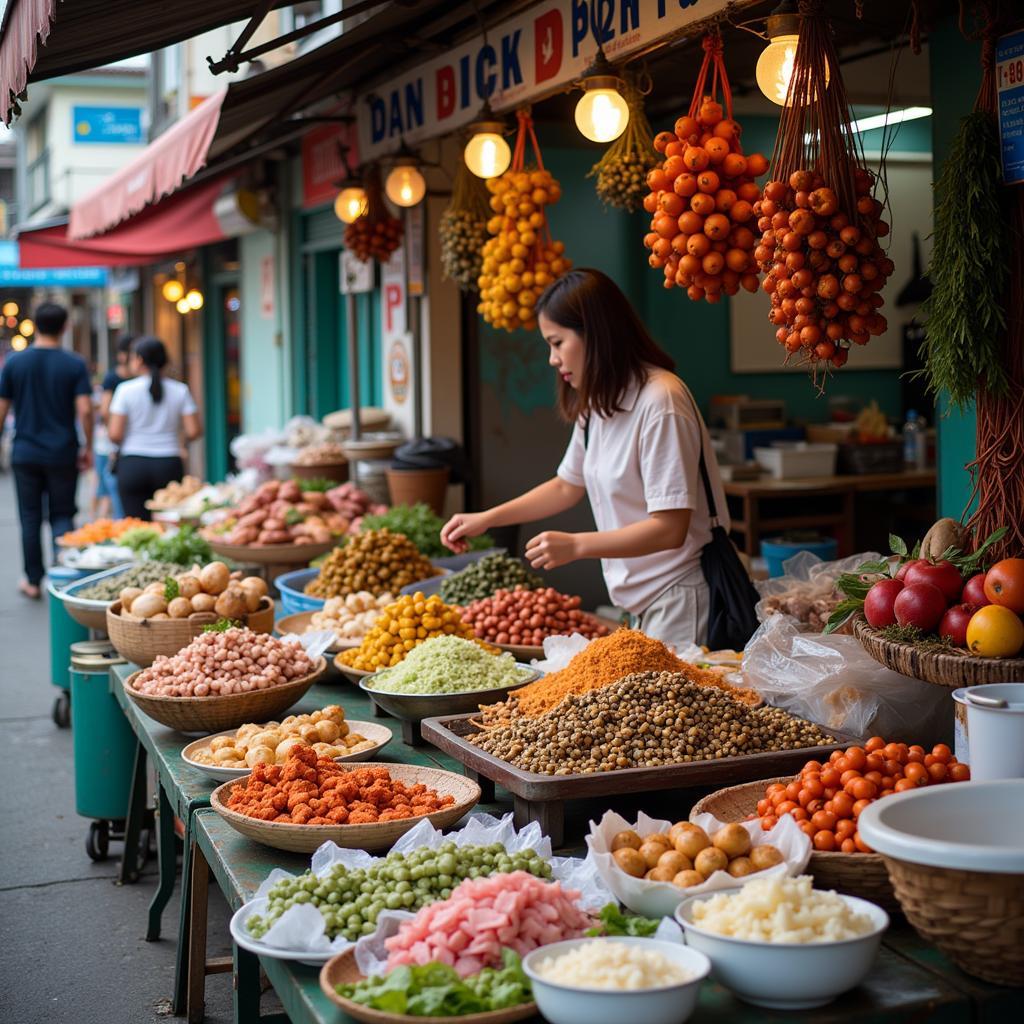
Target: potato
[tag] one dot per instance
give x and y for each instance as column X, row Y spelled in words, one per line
column 686, row 879
column 160, row 617
column 627, row 838
column 203, row 603
column 231, row 604
column 651, row 852
column 765, row 856
column 692, row 841
column 740, row 867
column 733, row 840
column 674, row 860
column 257, row 755
column 127, row 596
column 659, row 875
column 155, row 588
column 189, row 586
column 252, row 599
column 630, row 861
column 710, row 860
column 256, row 583
column 214, row 577
column 145, row 606
column 179, row 608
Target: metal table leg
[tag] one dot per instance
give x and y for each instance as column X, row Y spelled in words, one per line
column 168, row 858
column 130, row 866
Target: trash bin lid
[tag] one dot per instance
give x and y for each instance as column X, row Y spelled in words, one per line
column 92, row 647
column 96, row 662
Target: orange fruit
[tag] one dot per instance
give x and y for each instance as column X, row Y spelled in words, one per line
column 995, row 632
column 1004, row 584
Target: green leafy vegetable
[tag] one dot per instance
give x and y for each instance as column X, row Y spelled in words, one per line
column 318, row 483
column 185, row 547
column 436, row 990
column 615, row 922
column 222, row 626
column 138, row 539
column 422, row 526
column 171, row 589
column 293, row 516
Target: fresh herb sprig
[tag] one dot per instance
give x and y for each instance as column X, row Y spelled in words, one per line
column 615, row 922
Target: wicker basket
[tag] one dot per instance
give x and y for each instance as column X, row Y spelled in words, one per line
column 216, row 714
column 975, row 918
column 374, row 836
column 856, row 874
column 343, row 970
column 143, row 641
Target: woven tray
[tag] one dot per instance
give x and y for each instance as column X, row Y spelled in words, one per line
column 271, row 554
column 375, row 836
column 144, row 641
column 856, row 874
column 976, row 919
column 342, row 970
column 941, row 668
column 215, row 714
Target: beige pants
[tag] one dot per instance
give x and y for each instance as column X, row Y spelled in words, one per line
column 679, row 617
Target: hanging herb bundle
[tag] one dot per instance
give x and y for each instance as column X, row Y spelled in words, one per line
column 820, row 251
column 702, row 194
column 520, row 259
column 622, row 172
column 463, row 229
column 376, row 233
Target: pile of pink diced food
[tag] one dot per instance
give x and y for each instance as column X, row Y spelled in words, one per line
column 468, row 930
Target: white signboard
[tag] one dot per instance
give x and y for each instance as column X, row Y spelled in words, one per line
column 395, row 343
column 536, row 52
column 354, row 275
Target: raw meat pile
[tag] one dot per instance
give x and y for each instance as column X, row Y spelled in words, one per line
column 468, row 930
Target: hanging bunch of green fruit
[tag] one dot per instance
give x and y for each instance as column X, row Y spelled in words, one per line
column 463, row 229
column 622, row 172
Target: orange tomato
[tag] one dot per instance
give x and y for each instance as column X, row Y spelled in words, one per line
column 829, row 778
column 859, row 806
column 763, row 807
column 1004, row 584
column 768, row 822
column 874, row 763
column 824, row 820
column 941, row 752
column 811, row 766
column 799, row 814
column 842, row 805
column 848, row 846
column 824, row 840
column 845, row 829
column 901, row 787
column 807, row 828
column 864, row 789
column 856, row 758
column 850, row 775
column 938, row 771
column 916, row 774
column 873, row 744
column 959, row 772
column 814, row 786
column 892, row 752
column 861, row 845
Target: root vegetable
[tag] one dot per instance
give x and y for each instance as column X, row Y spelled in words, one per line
column 214, row 577
column 146, row 605
column 203, row 602
column 127, row 596
column 231, row 604
column 179, row 608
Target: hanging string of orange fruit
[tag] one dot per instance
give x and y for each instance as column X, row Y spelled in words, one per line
column 376, row 234
column 703, row 192
column 520, row 259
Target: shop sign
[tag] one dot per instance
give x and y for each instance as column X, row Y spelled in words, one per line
column 399, row 371
column 524, row 57
column 267, row 288
column 59, row 277
column 1010, row 95
column 414, row 241
column 392, row 295
column 354, row 275
column 107, row 125
column 322, row 165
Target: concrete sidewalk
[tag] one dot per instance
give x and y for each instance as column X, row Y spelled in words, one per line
column 71, row 940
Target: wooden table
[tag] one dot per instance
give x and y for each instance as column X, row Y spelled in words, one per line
column 839, row 494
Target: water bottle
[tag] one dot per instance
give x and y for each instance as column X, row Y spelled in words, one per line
column 912, row 438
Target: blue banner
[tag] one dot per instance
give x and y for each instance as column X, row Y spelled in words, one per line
column 1010, row 96
column 107, row 125
column 58, row 277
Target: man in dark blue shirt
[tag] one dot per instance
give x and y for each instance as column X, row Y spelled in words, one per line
column 49, row 388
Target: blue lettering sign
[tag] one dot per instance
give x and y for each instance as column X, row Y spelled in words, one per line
column 378, row 126
column 414, row 104
column 630, row 16
column 63, row 277
column 580, row 24
column 107, row 125
column 511, row 72
column 464, row 81
column 486, row 79
column 602, row 13
column 395, row 116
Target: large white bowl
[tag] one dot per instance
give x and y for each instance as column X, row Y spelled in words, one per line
column 671, row 1004
column 786, row 975
column 973, row 826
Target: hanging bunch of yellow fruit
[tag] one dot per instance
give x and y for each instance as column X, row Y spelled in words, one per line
column 520, row 259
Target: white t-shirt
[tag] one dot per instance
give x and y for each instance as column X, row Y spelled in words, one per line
column 151, row 429
column 644, row 459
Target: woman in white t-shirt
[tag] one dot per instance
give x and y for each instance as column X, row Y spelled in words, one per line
column 635, row 453
column 149, row 415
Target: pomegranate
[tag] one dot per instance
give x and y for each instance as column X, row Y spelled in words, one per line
column 944, row 576
column 954, row 623
column 974, row 591
column 921, row 605
column 878, row 605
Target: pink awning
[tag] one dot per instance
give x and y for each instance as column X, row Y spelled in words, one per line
column 26, row 26
column 156, row 172
column 183, row 221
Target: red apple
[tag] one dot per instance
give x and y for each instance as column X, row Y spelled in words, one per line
column 921, row 605
column 944, row 576
column 974, row 591
column 878, row 605
column 902, row 571
column 954, row 623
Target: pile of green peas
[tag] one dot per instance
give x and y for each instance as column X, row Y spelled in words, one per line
column 352, row 900
column 486, row 577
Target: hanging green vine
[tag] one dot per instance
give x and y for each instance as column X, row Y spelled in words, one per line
column 969, row 268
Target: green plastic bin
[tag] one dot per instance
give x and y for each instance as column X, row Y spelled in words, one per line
column 64, row 632
column 104, row 744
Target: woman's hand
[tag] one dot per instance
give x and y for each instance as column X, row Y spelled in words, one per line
column 455, row 532
column 550, row 549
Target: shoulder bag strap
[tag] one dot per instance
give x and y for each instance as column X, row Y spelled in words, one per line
column 705, row 479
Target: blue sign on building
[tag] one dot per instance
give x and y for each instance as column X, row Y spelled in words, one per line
column 57, row 277
column 107, row 125
column 1010, row 95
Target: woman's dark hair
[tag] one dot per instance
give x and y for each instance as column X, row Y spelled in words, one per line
column 618, row 348
column 154, row 357
column 124, row 346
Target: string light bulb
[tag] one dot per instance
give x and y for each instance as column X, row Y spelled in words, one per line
column 172, row 290
column 487, row 154
column 194, row 299
column 602, row 112
column 27, row 328
column 10, row 308
column 775, row 66
column 182, row 306
column 405, row 185
column 350, row 204
column 19, row 343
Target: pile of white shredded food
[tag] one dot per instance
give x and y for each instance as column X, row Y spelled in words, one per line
column 611, row 965
column 781, row 910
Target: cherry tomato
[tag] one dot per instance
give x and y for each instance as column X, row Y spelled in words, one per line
column 824, row 840
column 835, row 755
column 814, row 806
column 763, row 806
column 886, row 792
column 875, row 777
column 805, row 797
column 824, row 820
column 785, row 807
column 830, row 778
column 842, row 805
column 915, row 757
column 812, row 766
column 793, row 791
column 848, row 846
column 864, row 789
column 942, row 753
column 873, row 744
column 815, row 787
column 917, row 774
column 775, row 787
column 916, row 748
column 892, row 751
column 903, row 785
column 888, row 781
column 799, row 814
column 848, row 776
column 893, row 767
column 856, row 758
column 842, row 765
column 959, row 773
column 859, row 806
column 938, row 771
column 768, row 822
column 874, row 762
column 845, row 829
column 807, row 828
column 861, row 845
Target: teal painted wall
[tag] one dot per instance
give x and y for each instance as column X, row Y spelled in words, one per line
column 956, row 74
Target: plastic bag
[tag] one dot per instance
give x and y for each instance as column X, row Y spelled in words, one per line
column 833, row 681
column 807, row 590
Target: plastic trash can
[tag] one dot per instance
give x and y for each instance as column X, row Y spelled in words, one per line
column 64, row 632
column 777, row 550
column 104, row 745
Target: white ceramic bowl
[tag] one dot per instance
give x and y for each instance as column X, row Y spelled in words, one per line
column 786, row 975
column 671, row 1004
column 973, row 826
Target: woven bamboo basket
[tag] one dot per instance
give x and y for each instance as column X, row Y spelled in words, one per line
column 343, row 970
column 939, row 667
column 270, row 554
column 373, row 836
column 215, row 714
column 975, row 918
column 143, row 641
column 856, row 874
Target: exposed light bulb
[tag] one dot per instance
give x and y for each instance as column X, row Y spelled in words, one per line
column 19, row 343
column 182, row 306
column 405, row 185
column 172, row 290
column 777, row 62
column 194, row 299
column 26, row 327
column 487, row 154
column 602, row 114
column 350, row 204
column 10, row 308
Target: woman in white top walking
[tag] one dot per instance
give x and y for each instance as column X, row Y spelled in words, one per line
column 148, row 417
column 635, row 453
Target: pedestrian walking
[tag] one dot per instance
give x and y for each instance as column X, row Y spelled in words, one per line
column 49, row 390
column 104, row 449
column 149, row 415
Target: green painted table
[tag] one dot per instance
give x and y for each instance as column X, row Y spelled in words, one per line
column 899, row 989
